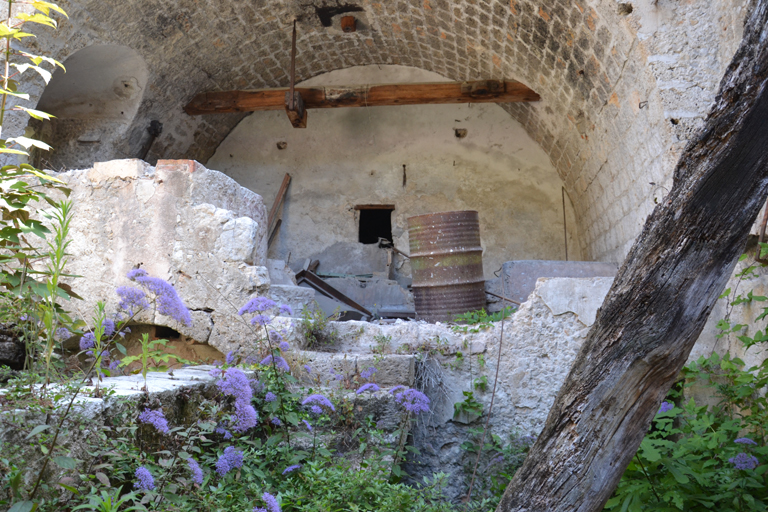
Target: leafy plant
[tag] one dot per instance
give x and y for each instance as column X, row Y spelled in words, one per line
column 468, row 406
column 315, row 329
column 480, row 320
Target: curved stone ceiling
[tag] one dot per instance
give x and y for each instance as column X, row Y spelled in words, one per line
column 622, row 84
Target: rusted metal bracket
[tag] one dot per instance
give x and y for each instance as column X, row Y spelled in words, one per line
column 321, row 286
column 294, row 103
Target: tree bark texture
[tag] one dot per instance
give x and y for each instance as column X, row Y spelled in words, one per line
column 660, row 298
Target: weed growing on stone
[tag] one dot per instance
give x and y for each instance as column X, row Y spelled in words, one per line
column 476, row 321
column 314, row 326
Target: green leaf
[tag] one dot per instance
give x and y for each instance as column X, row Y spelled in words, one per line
column 650, row 452
column 679, row 476
column 37, row 430
column 101, row 477
column 69, row 488
column 23, row 506
column 45, row 7
column 28, row 143
column 40, row 18
column 65, row 462
column 42, row 72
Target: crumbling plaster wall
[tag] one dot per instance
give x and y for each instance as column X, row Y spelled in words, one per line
column 408, row 156
column 611, row 81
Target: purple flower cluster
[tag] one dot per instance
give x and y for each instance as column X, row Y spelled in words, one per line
column 156, row 419
column 745, row 440
column 665, row 407
column 144, row 480
column 308, row 368
column 367, row 374
column 309, row 427
column 62, row 333
column 284, row 346
column 286, row 310
column 317, row 401
column 270, row 397
column 226, row 433
column 744, row 461
column 276, row 422
column 271, row 502
column 279, row 362
column 109, row 327
column 231, row 357
column 195, row 471
column 236, row 384
column 87, row 341
column 291, row 469
column 132, row 299
column 229, row 460
column 367, row 387
column 168, row 301
column 257, row 305
column 413, row 400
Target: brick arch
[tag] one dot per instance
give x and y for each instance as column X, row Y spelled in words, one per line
column 602, row 119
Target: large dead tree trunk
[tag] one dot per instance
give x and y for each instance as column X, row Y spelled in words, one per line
column 660, row 299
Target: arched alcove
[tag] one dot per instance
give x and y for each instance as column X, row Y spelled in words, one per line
column 414, row 160
column 94, row 101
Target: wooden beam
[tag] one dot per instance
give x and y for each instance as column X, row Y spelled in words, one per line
column 275, row 214
column 483, row 91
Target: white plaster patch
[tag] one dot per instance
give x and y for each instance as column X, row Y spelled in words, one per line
column 583, row 297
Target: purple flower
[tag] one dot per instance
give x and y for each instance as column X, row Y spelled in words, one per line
column 319, row 400
column 259, row 509
column 260, row 319
column 413, row 401
column 316, row 409
column 285, row 309
column 308, row 368
column 168, row 301
column 279, row 362
column 270, row 397
column 246, row 417
column 62, row 333
column 235, row 384
column 144, row 480
column 276, row 421
column 229, row 460
column 132, row 299
column 257, row 305
column 275, row 336
column 745, row 440
column 114, row 364
column 226, row 433
column 396, row 389
column 367, row 374
column 256, row 386
column 194, row 469
column 215, row 372
column 291, row 469
column 665, row 407
column 231, row 356
column 309, row 427
column 284, row 346
column 87, row 341
column 109, row 327
column 367, row 387
column 271, row 502
column 156, row 419
column 744, row 461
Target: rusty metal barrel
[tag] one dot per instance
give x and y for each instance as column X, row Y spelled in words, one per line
column 447, row 263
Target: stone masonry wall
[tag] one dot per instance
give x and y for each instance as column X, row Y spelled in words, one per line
column 623, row 85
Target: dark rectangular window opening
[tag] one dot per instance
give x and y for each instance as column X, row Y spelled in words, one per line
column 375, row 222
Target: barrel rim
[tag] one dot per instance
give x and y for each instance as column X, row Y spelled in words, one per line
column 442, row 213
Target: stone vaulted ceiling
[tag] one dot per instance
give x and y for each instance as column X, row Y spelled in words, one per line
column 622, row 84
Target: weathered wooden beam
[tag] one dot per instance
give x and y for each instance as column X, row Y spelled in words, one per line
column 482, row 91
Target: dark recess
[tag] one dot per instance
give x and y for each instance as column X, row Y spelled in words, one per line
column 166, row 333
column 326, row 14
column 375, row 224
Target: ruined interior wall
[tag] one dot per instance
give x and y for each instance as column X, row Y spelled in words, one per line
column 408, row 156
column 612, row 79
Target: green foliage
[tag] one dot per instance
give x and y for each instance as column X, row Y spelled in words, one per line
column 314, row 327
column 499, row 460
column 151, row 354
column 476, row 321
column 687, row 461
column 468, row 406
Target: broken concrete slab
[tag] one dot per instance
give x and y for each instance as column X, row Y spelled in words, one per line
column 520, row 277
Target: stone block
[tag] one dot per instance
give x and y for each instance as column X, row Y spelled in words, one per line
column 131, row 168
column 520, row 276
